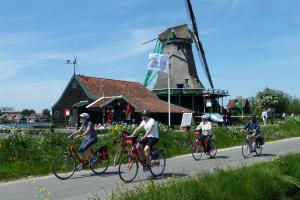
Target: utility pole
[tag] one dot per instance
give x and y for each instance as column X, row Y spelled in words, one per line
column 103, row 109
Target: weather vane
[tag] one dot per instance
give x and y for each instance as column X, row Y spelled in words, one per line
column 73, row 62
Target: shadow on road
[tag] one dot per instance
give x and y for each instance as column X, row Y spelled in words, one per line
column 265, row 155
column 92, row 174
column 214, row 158
column 220, row 157
column 164, row 176
column 173, row 175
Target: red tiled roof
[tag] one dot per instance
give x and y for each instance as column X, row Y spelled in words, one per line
column 134, row 92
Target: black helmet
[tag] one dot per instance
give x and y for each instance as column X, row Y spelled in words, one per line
column 145, row 113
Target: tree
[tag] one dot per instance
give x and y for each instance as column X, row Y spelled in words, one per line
column 0, row 112
column 27, row 112
column 275, row 99
column 268, row 98
column 46, row 113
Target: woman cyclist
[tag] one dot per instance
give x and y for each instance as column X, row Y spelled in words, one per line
column 206, row 132
column 87, row 129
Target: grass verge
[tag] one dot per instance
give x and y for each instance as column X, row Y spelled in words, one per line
column 276, row 179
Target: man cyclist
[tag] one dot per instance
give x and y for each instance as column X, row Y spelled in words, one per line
column 252, row 128
column 148, row 140
column 206, row 132
column 87, row 129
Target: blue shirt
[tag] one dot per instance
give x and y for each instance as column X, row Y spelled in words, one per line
column 252, row 126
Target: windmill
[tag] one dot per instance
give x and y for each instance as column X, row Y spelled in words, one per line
column 186, row 88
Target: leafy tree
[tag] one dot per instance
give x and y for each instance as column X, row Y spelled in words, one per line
column 1, row 113
column 275, row 99
column 27, row 112
column 46, row 113
column 268, row 98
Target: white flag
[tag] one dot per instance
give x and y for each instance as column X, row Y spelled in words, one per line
column 158, row 62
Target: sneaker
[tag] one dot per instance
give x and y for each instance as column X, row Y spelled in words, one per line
column 92, row 161
column 79, row 167
column 146, row 168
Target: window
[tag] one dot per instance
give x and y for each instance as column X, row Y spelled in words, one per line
column 74, row 84
column 56, row 114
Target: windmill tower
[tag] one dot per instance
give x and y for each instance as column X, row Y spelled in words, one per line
column 183, row 71
column 186, row 88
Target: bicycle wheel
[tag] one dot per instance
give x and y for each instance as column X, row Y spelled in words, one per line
column 128, row 170
column 101, row 164
column 213, row 148
column 197, row 150
column 258, row 149
column 63, row 165
column 246, row 150
column 157, row 163
column 117, row 155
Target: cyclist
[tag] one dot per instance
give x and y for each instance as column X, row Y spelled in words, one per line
column 252, row 128
column 206, row 132
column 148, row 140
column 87, row 129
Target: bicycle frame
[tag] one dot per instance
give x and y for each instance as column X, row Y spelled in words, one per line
column 134, row 152
column 74, row 153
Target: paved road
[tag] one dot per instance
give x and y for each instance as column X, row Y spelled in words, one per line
column 84, row 184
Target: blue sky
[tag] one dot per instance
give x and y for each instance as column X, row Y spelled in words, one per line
column 249, row 44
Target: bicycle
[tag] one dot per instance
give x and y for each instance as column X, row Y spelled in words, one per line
column 64, row 164
column 129, row 170
column 247, row 147
column 199, row 146
column 122, row 147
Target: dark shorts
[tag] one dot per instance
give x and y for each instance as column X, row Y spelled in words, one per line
column 149, row 141
column 87, row 142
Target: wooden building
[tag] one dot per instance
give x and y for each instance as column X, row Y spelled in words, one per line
column 96, row 95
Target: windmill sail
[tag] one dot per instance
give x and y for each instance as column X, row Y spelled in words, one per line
column 198, row 43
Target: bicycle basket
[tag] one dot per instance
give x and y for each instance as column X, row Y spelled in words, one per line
column 155, row 154
column 130, row 141
column 261, row 140
column 104, row 152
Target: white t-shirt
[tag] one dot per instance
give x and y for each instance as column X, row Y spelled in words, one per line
column 146, row 125
column 206, row 128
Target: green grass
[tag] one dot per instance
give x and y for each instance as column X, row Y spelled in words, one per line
column 277, row 179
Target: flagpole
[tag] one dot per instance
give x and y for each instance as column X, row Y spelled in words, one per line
column 169, row 98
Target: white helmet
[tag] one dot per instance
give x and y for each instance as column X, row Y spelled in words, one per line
column 85, row 115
